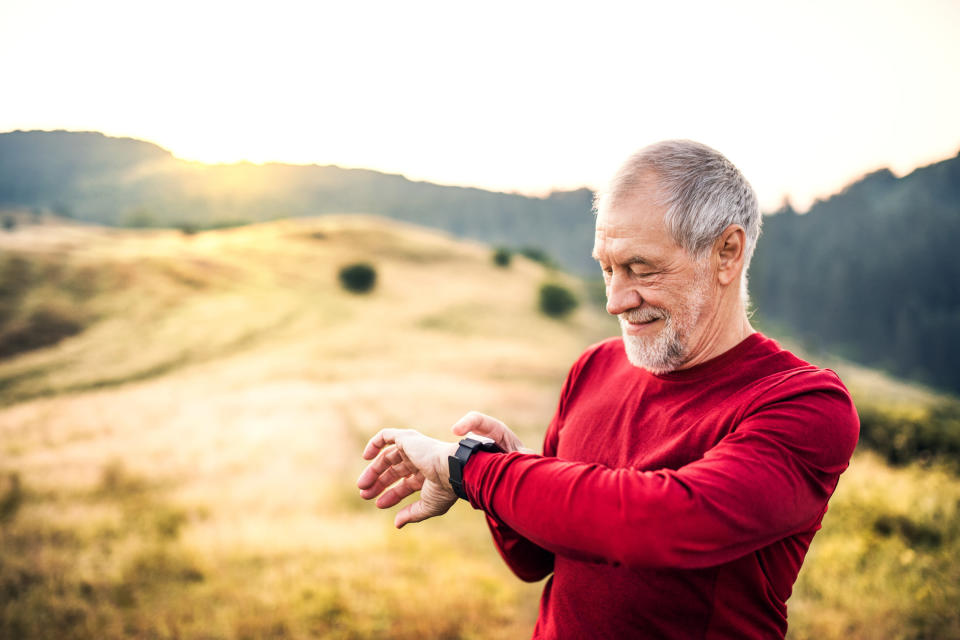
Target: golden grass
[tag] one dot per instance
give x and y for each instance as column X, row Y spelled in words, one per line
column 185, row 467
column 886, row 563
column 188, row 462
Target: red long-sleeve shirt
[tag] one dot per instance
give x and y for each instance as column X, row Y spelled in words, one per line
column 672, row 506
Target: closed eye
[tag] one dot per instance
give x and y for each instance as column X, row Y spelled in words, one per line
column 643, row 271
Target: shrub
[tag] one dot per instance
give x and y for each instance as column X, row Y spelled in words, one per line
column 11, row 497
column 139, row 219
column 556, row 300
column 596, row 291
column 502, row 257
column 934, row 435
column 537, row 255
column 44, row 327
column 358, row 278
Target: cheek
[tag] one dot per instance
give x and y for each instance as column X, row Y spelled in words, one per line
column 652, row 289
column 657, row 297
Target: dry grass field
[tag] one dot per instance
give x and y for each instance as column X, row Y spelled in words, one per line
column 182, row 463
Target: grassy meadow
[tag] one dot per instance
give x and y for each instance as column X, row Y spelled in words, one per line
column 180, row 460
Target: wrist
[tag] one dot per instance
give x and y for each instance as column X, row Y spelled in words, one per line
column 460, row 457
column 443, row 463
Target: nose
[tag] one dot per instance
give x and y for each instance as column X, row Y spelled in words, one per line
column 620, row 296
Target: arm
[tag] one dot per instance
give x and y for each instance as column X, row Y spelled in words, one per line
column 528, row 561
column 405, row 462
column 768, row 479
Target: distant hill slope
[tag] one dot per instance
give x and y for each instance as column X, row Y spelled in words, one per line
column 85, row 307
column 872, row 273
column 185, row 462
column 869, row 273
column 136, row 304
column 202, row 433
column 126, row 182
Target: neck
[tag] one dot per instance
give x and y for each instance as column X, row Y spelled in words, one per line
column 724, row 327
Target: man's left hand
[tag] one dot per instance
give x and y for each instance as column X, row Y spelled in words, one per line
column 419, row 462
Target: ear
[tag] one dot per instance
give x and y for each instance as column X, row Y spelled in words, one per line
column 729, row 249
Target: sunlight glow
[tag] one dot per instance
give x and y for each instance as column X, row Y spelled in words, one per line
column 519, row 97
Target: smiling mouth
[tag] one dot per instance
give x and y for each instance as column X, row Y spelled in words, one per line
column 639, row 325
column 641, row 320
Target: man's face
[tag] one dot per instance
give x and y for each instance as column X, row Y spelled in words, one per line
column 660, row 294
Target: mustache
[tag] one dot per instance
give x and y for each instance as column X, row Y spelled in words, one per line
column 646, row 314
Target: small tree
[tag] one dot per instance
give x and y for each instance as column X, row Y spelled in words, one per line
column 537, row 255
column 556, row 300
column 9, row 223
column 358, row 278
column 62, row 210
column 139, row 218
column 11, row 497
column 502, row 257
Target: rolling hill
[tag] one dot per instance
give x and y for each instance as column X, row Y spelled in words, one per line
column 182, row 463
column 127, row 182
column 868, row 273
column 871, row 273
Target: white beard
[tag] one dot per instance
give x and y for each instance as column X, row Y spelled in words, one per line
column 668, row 349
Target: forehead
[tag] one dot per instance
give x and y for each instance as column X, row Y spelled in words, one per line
column 633, row 226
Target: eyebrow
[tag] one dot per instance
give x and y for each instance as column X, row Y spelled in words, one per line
column 640, row 260
column 633, row 260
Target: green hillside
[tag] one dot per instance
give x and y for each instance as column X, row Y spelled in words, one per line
column 127, row 182
column 868, row 273
column 871, row 273
column 185, row 464
column 181, row 462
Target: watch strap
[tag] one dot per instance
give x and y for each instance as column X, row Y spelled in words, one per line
column 468, row 446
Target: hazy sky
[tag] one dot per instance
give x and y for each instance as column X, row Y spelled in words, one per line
column 516, row 96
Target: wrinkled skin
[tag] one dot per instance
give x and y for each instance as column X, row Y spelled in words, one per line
column 405, row 461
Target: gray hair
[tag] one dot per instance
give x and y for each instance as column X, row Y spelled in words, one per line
column 703, row 191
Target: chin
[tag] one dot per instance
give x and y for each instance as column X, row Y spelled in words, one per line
column 662, row 354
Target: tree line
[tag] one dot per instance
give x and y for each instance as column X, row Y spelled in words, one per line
column 869, row 273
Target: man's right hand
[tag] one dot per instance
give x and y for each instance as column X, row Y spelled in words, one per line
column 484, row 425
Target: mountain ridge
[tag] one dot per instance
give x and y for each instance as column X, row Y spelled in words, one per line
column 868, row 272
column 158, row 189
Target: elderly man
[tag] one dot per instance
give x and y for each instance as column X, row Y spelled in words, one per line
column 689, row 462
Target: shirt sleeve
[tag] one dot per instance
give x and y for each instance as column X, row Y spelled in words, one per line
column 768, row 479
column 529, row 561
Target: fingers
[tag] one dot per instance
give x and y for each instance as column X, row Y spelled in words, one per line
column 407, row 486
column 392, row 474
column 480, row 424
column 384, row 481
column 490, row 427
column 388, row 467
column 413, row 512
column 403, row 462
column 383, row 438
column 384, row 456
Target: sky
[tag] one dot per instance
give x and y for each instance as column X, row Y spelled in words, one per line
column 804, row 97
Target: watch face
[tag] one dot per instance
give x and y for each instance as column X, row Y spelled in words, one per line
column 480, row 439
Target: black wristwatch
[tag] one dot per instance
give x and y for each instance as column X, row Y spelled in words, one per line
column 468, row 446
